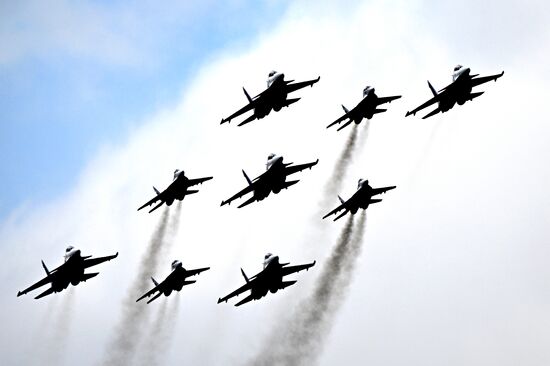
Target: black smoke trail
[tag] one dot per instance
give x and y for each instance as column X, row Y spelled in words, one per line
column 128, row 332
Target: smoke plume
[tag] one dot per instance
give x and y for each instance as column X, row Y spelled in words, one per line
column 129, row 329
column 300, row 338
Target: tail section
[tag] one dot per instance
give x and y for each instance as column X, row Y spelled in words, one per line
column 45, row 269
column 247, row 179
column 432, row 89
column 290, row 101
column 247, row 96
column 154, row 297
column 244, row 275
column 290, row 183
column 341, row 199
column 474, row 95
column 155, row 282
column 285, row 284
column 156, row 190
column 345, row 109
column 45, row 293
column 87, row 276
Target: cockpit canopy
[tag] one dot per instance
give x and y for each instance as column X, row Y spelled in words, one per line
column 175, row 263
column 270, row 156
column 272, row 73
column 367, row 90
column 268, row 255
column 361, row 182
column 457, row 67
column 69, row 248
column 177, row 172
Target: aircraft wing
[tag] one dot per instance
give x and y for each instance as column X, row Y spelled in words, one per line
column 376, row 191
column 194, row 272
column 237, row 292
column 192, row 182
column 298, row 168
column 40, row 283
column 387, row 99
column 336, row 210
column 484, row 79
column 293, row 269
column 95, row 261
column 293, row 87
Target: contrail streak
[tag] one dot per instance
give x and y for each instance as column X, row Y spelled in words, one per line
column 60, row 328
column 128, row 331
column 299, row 340
column 157, row 342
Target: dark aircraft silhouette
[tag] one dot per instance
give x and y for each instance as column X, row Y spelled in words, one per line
column 459, row 91
column 362, row 198
column 174, row 281
column 71, row 271
column 365, row 109
column 274, row 97
column 272, row 180
column 177, row 190
column 269, row 279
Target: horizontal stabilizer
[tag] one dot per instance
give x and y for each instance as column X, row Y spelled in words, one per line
column 45, row 293
column 341, row 215
column 157, row 206
column 245, row 300
column 87, row 276
column 290, row 101
column 154, row 297
column 249, row 201
column 435, row 111
column 249, row 119
column 474, row 95
column 285, row 284
column 290, row 183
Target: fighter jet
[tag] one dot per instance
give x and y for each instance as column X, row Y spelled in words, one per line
column 71, row 271
column 459, row 91
column 177, row 190
column 366, row 108
column 269, row 279
column 362, row 198
column 174, row 281
column 272, row 180
column 274, row 97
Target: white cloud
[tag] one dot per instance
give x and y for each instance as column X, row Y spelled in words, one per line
column 453, row 261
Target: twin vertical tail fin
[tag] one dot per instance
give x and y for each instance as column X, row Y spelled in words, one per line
column 432, row 89
column 247, row 96
column 341, row 200
column 345, row 109
column 45, row 268
column 156, row 190
column 246, row 177
column 244, row 275
column 155, row 282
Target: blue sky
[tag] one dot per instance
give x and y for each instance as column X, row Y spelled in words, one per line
column 62, row 97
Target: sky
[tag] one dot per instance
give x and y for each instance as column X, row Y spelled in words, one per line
column 102, row 100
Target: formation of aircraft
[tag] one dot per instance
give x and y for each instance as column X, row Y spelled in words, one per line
column 70, row 272
column 177, row 190
column 272, row 180
column 269, row 279
column 366, row 108
column 274, row 97
column 458, row 92
column 173, row 282
column 362, row 198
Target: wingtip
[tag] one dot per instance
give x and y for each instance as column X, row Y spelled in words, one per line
column 219, row 300
column 407, row 114
column 116, row 255
column 19, row 293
